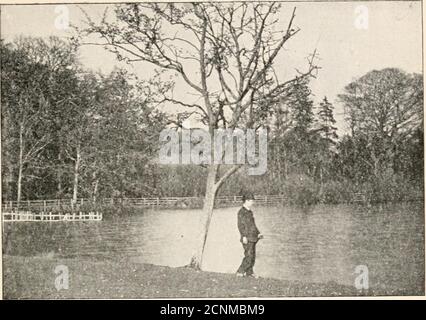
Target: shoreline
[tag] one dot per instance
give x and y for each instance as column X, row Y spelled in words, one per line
column 34, row 278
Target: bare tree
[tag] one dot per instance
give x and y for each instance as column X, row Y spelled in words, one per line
column 232, row 48
column 384, row 107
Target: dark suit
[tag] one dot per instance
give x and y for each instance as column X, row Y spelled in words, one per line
column 248, row 229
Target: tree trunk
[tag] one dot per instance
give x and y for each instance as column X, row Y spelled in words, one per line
column 321, row 182
column 95, row 190
column 205, row 217
column 59, row 173
column 279, row 167
column 19, row 189
column 76, row 175
column 20, row 165
column 375, row 165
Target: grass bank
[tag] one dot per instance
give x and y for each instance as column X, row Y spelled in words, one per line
column 34, row 278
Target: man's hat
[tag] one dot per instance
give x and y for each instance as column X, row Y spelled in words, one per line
column 248, row 196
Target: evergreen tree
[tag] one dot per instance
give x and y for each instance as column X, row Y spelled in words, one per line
column 326, row 121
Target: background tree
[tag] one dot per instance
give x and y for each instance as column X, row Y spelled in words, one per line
column 124, row 137
column 77, row 127
column 326, row 139
column 383, row 108
column 67, row 132
column 26, row 104
column 291, row 132
column 326, row 121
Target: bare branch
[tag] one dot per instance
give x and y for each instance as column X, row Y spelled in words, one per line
column 227, row 174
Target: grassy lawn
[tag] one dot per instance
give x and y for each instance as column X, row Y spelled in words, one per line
column 34, row 277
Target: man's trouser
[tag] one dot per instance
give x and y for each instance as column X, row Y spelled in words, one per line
column 249, row 258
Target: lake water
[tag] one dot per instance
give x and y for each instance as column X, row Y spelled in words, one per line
column 312, row 244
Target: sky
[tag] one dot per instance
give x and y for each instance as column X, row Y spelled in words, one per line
column 352, row 38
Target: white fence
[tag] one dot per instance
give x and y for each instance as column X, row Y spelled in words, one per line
column 49, row 216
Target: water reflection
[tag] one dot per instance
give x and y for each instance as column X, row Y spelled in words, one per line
column 312, row 244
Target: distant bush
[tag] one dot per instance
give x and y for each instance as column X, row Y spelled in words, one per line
column 301, row 190
column 391, row 187
column 334, row 192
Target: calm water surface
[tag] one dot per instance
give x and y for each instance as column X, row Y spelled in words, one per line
column 313, row 244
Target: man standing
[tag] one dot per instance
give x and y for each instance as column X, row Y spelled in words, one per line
column 249, row 236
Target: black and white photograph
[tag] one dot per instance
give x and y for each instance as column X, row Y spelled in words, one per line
column 229, row 149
